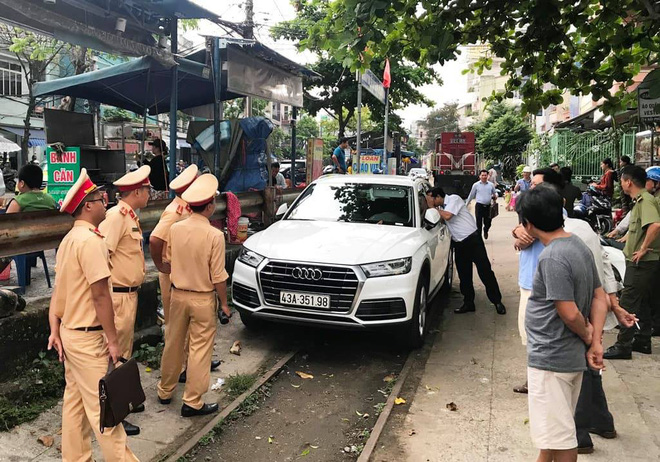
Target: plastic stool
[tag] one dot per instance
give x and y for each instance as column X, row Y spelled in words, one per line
column 24, row 268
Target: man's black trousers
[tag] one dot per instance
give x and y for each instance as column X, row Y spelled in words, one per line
column 482, row 214
column 472, row 250
column 592, row 411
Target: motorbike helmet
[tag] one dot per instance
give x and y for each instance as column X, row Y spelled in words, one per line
column 653, row 173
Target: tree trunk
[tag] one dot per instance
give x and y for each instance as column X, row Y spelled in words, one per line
column 79, row 58
column 26, row 128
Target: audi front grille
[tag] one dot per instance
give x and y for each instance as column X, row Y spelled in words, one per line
column 339, row 283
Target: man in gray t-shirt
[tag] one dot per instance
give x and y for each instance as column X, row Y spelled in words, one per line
column 566, row 272
column 565, row 315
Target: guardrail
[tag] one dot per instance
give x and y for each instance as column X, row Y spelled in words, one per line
column 22, row 233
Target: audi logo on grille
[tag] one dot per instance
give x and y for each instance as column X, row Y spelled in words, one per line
column 310, row 274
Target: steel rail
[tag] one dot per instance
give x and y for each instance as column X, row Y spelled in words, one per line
column 27, row 232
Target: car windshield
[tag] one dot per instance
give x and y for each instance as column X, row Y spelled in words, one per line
column 355, row 203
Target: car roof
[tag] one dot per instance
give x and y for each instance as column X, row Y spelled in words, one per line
column 395, row 180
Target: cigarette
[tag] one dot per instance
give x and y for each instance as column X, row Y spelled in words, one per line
column 637, row 325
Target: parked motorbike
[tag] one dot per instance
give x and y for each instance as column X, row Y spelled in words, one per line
column 596, row 209
column 10, row 180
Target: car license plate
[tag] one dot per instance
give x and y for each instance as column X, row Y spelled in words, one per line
column 306, row 300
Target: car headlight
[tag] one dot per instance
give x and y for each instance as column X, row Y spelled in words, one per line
column 250, row 258
column 388, row 268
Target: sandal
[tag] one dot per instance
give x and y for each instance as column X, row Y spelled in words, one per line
column 521, row 389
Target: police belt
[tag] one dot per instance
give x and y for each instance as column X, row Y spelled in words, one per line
column 125, row 290
column 89, row 329
column 194, row 291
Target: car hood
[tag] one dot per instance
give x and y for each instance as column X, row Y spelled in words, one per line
column 334, row 242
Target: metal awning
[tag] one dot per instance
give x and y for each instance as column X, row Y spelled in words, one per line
column 136, row 85
column 96, row 23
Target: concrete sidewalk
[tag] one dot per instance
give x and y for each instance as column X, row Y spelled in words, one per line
column 475, row 362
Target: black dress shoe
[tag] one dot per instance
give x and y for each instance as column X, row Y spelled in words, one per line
column 137, row 409
column 640, row 347
column 616, row 351
column 130, row 429
column 655, row 332
column 585, row 450
column 465, row 309
column 607, row 434
column 500, row 308
column 183, row 377
column 215, row 364
column 164, row 401
column 187, row 411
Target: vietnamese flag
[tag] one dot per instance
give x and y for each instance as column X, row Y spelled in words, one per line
column 387, row 79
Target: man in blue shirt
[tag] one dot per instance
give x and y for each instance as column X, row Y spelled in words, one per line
column 485, row 192
column 525, row 182
column 469, row 249
column 338, row 156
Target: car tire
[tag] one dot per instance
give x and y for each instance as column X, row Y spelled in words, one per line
column 250, row 321
column 418, row 325
column 449, row 272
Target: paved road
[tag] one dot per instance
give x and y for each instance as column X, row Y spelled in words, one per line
column 477, row 360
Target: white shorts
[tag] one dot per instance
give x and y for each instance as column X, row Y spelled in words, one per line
column 552, row 399
column 522, row 308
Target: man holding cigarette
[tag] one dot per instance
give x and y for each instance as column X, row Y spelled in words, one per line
column 642, row 253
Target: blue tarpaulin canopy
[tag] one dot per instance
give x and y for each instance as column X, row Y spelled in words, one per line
column 138, row 84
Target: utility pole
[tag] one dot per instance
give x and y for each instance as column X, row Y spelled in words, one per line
column 359, row 119
column 248, row 33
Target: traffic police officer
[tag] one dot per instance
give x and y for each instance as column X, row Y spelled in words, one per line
column 79, row 316
column 176, row 211
column 123, row 236
column 198, row 273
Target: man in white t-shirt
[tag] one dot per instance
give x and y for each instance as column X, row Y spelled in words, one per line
column 469, row 249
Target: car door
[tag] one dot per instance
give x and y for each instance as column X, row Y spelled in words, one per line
column 437, row 239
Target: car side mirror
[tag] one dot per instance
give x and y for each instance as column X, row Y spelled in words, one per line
column 281, row 210
column 431, row 218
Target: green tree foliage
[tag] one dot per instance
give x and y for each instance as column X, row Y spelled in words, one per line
column 416, row 147
column 584, row 46
column 35, row 53
column 113, row 114
column 443, row 119
column 336, row 92
column 306, row 127
column 502, row 137
column 235, row 108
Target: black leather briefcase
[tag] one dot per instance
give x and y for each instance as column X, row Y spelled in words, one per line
column 119, row 392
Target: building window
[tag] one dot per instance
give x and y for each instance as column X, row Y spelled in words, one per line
column 11, row 79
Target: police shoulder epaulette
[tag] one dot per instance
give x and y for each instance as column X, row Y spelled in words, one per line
column 96, row 231
column 123, row 210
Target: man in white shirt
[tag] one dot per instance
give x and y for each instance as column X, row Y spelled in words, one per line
column 469, row 249
column 484, row 192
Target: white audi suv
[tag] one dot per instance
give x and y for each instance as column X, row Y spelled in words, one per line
column 361, row 252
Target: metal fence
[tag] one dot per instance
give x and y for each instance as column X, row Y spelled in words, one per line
column 583, row 152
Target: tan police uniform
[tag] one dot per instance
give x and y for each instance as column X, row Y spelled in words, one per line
column 198, row 263
column 176, row 211
column 82, row 260
column 123, row 236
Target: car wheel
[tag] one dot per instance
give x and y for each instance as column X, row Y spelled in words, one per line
column 250, row 321
column 449, row 272
column 418, row 325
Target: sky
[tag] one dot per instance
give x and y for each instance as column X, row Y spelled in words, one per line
column 267, row 13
